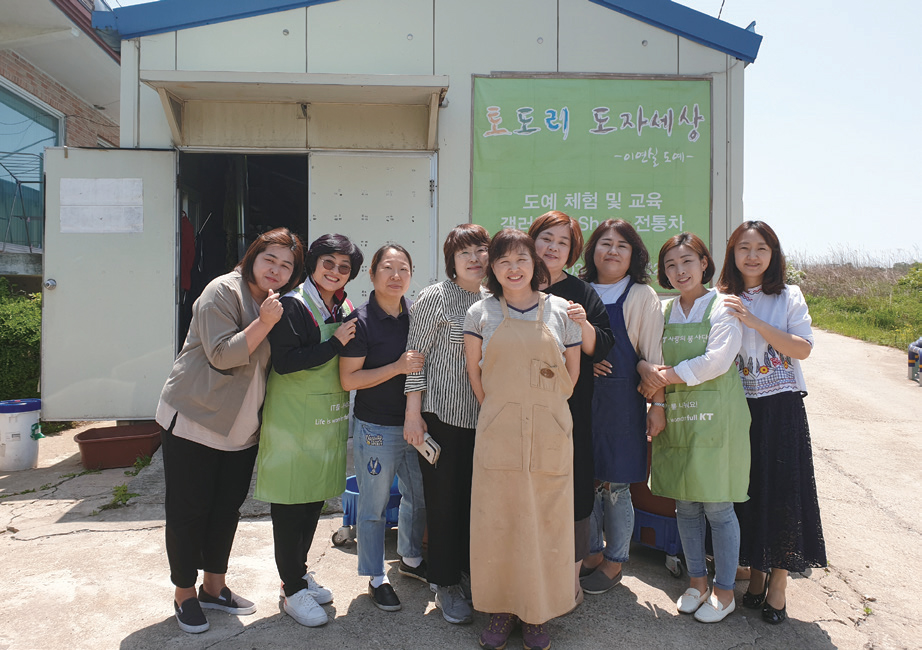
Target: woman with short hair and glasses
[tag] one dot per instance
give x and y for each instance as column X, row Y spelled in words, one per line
column 440, row 402
column 302, row 449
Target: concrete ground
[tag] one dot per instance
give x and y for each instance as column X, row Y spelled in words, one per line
column 76, row 576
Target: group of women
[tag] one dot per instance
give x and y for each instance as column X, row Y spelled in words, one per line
column 534, row 384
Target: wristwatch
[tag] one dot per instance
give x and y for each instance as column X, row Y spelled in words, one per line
column 660, row 404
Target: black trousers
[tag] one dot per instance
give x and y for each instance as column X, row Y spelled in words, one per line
column 205, row 488
column 293, row 528
column 447, row 488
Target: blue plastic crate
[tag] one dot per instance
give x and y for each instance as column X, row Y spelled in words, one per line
column 664, row 529
column 351, row 503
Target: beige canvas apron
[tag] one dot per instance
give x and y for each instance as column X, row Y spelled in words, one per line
column 522, row 493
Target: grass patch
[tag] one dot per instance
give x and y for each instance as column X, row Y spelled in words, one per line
column 140, row 463
column 120, row 497
column 875, row 303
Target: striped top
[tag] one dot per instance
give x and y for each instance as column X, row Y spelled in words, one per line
column 436, row 330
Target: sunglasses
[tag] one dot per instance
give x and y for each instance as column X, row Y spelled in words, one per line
column 342, row 269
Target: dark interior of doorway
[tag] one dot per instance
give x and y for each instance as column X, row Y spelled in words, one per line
column 229, row 199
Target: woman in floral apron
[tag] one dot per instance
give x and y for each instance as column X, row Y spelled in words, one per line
column 701, row 459
column 302, row 449
column 780, row 525
column 523, row 360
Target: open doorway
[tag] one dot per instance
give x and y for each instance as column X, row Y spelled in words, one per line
column 226, row 201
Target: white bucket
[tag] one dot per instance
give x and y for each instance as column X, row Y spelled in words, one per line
column 19, row 434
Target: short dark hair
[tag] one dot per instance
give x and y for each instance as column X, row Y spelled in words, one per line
column 694, row 242
column 556, row 218
column 334, row 243
column 460, row 237
column 278, row 237
column 731, row 280
column 639, row 269
column 376, row 258
column 510, row 239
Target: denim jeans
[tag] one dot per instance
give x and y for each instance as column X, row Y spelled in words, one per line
column 613, row 513
column 380, row 452
column 725, row 537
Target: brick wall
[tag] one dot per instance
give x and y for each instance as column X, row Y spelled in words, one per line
column 84, row 123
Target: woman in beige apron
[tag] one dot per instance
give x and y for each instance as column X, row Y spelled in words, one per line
column 302, row 447
column 523, row 359
column 701, row 459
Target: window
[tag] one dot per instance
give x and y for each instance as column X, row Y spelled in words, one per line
column 26, row 128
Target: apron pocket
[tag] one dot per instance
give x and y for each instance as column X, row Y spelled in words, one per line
column 551, row 446
column 499, row 443
column 544, row 375
column 694, row 418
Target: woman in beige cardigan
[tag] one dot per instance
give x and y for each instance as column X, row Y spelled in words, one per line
column 209, row 411
column 617, row 267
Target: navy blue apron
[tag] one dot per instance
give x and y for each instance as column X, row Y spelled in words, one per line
column 619, row 412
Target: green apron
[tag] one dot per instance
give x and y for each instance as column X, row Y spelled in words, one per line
column 305, row 425
column 703, row 454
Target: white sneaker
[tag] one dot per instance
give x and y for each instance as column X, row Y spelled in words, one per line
column 322, row 595
column 304, row 609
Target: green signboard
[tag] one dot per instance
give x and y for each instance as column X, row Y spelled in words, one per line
column 596, row 149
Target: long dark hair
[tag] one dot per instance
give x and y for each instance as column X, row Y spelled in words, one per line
column 510, row 239
column 731, row 280
column 639, row 270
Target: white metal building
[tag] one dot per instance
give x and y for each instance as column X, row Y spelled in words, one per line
column 352, row 116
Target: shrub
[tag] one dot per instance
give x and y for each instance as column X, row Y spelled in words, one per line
column 913, row 278
column 20, row 343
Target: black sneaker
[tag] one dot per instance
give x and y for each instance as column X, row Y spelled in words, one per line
column 418, row 572
column 384, row 597
column 226, row 602
column 190, row 616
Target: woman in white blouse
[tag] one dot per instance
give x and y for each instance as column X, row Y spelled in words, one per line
column 780, row 524
column 702, row 457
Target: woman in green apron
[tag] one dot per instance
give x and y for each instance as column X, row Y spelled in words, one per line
column 302, row 448
column 522, row 355
column 701, row 459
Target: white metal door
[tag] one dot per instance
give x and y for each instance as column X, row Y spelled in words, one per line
column 108, row 323
column 376, row 198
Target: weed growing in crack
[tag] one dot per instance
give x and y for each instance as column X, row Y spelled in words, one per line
column 140, row 463
column 120, row 497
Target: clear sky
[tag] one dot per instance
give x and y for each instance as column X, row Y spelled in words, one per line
column 833, row 142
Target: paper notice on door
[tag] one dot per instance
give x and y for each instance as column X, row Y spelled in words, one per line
column 102, row 205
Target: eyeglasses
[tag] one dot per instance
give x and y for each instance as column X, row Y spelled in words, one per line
column 466, row 255
column 342, row 269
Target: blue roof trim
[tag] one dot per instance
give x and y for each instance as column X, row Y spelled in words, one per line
column 691, row 24
column 172, row 15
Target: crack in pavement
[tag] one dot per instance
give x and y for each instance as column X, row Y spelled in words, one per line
column 880, row 506
column 87, row 530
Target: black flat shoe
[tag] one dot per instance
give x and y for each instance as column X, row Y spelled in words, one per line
column 753, row 601
column 774, row 616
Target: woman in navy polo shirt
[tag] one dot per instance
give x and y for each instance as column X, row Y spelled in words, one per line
column 375, row 364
